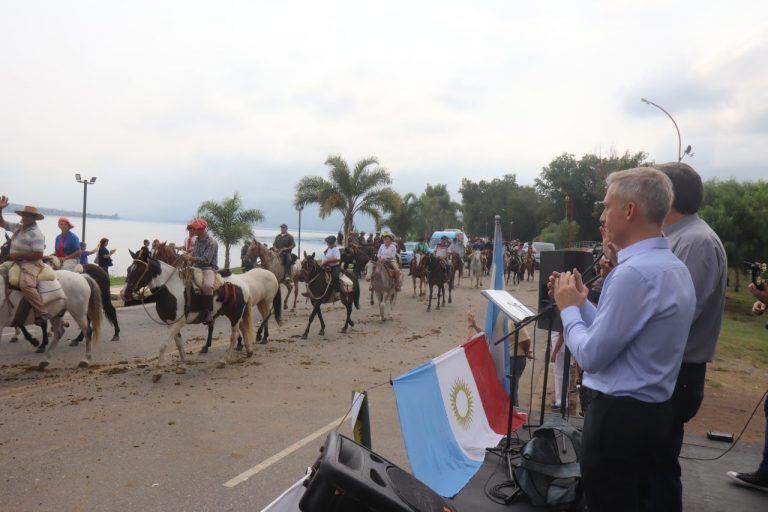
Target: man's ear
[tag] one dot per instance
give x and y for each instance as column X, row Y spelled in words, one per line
column 632, row 211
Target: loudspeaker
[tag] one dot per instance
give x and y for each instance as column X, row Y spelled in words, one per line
column 558, row 261
column 350, row 477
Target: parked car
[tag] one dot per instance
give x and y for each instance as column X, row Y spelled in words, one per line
column 538, row 248
column 407, row 255
column 450, row 233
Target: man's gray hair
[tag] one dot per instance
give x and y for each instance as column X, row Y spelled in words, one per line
column 648, row 188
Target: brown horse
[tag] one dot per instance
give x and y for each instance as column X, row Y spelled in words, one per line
column 418, row 271
column 356, row 256
column 512, row 267
column 529, row 265
column 270, row 260
column 321, row 292
column 437, row 276
column 457, row 267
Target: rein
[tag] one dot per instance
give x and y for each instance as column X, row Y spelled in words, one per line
column 151, row 293
column 327, row 287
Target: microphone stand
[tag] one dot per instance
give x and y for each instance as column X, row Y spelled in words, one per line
column 507, row 452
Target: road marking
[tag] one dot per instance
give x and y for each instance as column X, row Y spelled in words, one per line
column 245, row 475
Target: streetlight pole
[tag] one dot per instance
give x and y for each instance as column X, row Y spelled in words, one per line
column 680, row 153
column 300, row 208
column 85, row 183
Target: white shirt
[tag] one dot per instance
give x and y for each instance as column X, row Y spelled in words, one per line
column 387, row 253
column 331, row 253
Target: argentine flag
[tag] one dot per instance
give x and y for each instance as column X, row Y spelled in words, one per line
column 451, row 409
column 495, row 325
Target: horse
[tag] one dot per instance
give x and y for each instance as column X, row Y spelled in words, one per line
column 357, row 257
column 487, row 261
column 511, row 267
column 102, row 278
column 437, row 276
column 319, row 292
column 80, row 297
column 457, row 267
column 529, row 265
column 264, row 291
column 168, row 285
column 384, row 286
column 476, row 268
column 418, row 271
column 270, row 260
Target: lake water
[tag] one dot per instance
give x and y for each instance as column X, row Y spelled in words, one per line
column 127, row 234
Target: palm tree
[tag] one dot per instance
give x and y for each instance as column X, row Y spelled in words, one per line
column 362, row 190
column 228, row 222
column 404, row 222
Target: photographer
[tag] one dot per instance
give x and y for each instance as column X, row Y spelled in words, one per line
column 759, row 478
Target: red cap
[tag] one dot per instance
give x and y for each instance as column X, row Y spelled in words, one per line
column 198, row 224
column 67, row 222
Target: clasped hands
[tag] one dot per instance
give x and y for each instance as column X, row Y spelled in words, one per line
column 567, row 288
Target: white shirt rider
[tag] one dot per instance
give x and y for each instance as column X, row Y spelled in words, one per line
column 387, row 252
column 332, row 253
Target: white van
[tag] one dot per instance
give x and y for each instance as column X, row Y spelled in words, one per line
column 538, row 247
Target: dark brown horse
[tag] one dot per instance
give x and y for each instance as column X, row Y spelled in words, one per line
column 457, row 267
column 512, row 267
column 437, row 276
column 320, row 291
column 357, row 257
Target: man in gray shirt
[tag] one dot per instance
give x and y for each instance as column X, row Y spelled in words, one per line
column 698, row 246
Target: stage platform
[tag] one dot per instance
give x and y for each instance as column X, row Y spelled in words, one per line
column 706, row 488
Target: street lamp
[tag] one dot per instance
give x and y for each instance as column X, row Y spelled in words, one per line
column 300, row 208
column 680, row 153
column 85, row 183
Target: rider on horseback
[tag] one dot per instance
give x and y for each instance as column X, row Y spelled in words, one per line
column 331, row 261
column 27, row 246
column 67, row 245
column 388, row 256
column 442, row 252
column 284, row 243
column 205, row 256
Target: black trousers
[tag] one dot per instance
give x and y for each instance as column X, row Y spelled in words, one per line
column 622, row 447
column 686, row 400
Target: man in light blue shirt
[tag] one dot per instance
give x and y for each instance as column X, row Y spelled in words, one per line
column 630, row 346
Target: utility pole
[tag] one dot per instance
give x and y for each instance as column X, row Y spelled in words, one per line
column 85, row 183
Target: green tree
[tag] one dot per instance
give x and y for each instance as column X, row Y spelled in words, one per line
column 362, row 190
column 228, row 222
column 583, row 183
column 404, row 220
column 436, row 210
column 557, row 233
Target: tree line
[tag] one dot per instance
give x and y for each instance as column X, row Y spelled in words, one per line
column 563, row 204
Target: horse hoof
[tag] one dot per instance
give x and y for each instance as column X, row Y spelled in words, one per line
column 14, row 340
column 34, row 342
column 351, row 323
column 116, row 338
column 239, row 348
column 264, row 341
column 258, row 337
column 249, row 353
column 74, row 343
column 303, row 336
column 220, row 364
column 322, row 333
column 204, row 350
column 181, row 370
column 82, row 364
column 156, row 377
column 43, row 365
column 40, row 350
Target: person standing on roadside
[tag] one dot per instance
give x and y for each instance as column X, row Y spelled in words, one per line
column 698, row 246
column 104, row 255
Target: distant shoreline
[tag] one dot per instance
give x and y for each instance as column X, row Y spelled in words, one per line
column 68, row 213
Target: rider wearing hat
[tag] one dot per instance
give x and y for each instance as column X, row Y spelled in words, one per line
column 332, row 260
column 442, row 250
column 387, row 254
column 67, row 245
column 205, row 256
column 284, row 243
column 27, row 246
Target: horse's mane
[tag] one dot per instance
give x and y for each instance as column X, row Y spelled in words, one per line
column 166, row 254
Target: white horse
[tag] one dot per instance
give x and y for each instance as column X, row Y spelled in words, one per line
column 384, row 286
column 476, row 267
column 80, row 297
column 168, row 286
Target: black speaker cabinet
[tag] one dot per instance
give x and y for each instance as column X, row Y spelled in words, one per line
column 558, row 261
column 349, row 477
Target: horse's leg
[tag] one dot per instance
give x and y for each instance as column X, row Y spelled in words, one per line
column 429, row 303
column 450, row 293
column 227, row 358
column 295, row 295
column 174, row 330
column 264, row 327
column 348, row 320
column 289, row 286
column 207, row 345
column 57, row 332
column 322, row 321
column 380, row 298
column 315, row 309
column 27, row 336
column 44, row 345
column 182, row 366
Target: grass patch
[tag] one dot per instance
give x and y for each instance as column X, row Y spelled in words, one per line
column 743, row 335
column 120, row 281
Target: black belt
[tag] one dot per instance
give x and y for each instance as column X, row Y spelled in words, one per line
column 595, row 394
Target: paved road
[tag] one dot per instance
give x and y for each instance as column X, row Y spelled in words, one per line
column 107, row 438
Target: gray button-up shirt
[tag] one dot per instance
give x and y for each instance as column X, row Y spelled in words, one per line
column 207, row 251
column 25, row 239
column 699, row 247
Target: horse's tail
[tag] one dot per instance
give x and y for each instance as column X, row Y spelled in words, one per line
column 94, row 308
column 356, row 294
column 102, row 278
column 246, row 323
column 277, row 305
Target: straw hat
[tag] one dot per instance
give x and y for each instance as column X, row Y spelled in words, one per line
column 31, row 210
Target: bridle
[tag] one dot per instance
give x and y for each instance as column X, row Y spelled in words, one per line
column 320, row 272
column 141, row 291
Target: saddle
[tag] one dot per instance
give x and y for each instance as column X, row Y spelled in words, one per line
column 48, row 287
column 194, row 277
column 12, row 271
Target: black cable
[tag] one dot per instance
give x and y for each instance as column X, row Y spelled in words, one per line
column 737, row 438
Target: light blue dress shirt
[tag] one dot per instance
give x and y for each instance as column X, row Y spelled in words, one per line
column 632, row 343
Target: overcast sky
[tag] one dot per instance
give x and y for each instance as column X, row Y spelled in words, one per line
column 174, row 102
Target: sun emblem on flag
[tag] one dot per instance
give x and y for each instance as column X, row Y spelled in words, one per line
column 462, row 402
